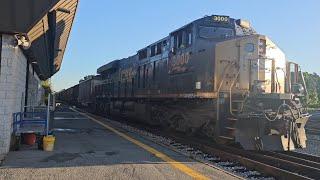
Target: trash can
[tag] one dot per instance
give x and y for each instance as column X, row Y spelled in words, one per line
column 48, row 143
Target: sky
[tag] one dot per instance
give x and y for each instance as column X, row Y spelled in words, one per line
column 107, row 30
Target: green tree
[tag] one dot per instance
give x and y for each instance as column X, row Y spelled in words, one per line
column 47, row 89
column 313, row 87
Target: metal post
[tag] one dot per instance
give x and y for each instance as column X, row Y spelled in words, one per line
column 22, row 101
column 304, row 85
column 53, row 102
column 290, row 132
column 48, row 114
column 258, row 69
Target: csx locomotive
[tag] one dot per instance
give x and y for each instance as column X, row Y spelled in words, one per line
column 214, row 76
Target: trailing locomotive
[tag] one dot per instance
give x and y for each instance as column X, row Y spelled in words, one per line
column 215, row 76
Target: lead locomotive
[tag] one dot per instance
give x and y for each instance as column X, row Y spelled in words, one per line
column 215, row 76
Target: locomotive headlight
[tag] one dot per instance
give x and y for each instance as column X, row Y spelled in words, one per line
column 298, row 89
column 259, row 87
column 262, row 47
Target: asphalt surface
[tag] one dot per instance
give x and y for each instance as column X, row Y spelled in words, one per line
column 87, row 150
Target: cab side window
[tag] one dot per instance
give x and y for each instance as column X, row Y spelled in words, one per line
column 143, row 54
column 182, row 38
column 189, row 37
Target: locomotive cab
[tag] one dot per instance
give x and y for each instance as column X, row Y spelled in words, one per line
column 264, row 95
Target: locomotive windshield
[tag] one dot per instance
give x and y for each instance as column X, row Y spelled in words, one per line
column 215, row 32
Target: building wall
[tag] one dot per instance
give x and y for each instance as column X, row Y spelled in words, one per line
column 12, row 88
column 35, row 90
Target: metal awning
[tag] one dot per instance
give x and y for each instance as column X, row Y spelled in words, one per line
column 46, row 24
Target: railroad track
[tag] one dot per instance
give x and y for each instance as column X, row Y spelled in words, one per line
column 298, row 158
column 269, row 165
column 278, row 165
column 303, row 156
column 281, row 165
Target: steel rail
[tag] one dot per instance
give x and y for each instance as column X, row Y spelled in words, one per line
column 267, row 165
column 295, row 159
column 307, row 159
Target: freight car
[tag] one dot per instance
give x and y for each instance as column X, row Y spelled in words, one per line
column 86, row 95
column 215, row 76
column 69, row 95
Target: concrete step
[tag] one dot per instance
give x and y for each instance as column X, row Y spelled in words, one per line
column 226, row 137
column 232, row 119
column 237, row 101
column 230, row 128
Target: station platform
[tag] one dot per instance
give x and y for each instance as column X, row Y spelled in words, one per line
column 85, row 149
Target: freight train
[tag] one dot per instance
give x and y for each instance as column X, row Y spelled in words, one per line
column 215, row 76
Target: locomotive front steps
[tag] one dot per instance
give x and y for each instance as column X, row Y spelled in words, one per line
column 232, row 119
column 231, row 128
column 227, row 138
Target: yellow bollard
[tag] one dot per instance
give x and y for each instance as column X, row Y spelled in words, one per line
column 48, row 143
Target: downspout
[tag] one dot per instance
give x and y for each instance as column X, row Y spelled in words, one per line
column 52, row 18
column 26, row 87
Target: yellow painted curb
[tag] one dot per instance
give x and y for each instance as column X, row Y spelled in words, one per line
column 178, row 165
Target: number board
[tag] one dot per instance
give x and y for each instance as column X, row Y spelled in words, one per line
column 221, row 19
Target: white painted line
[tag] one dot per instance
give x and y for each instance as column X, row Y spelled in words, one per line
column 62, row 118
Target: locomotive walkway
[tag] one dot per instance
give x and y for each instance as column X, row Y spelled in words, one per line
column 90, row 149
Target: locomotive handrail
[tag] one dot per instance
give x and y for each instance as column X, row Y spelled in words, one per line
column 304, row 84
column 230, row 92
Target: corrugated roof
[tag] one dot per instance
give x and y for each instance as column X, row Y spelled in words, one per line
column 19, row 16
column 48, row 39
column 63, row 29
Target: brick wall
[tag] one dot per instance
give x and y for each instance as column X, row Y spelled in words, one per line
column 12, row 88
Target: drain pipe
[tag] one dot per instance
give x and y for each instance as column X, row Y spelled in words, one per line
column 26, row 88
